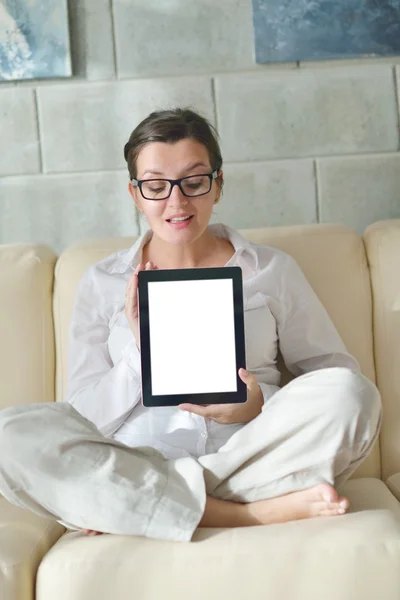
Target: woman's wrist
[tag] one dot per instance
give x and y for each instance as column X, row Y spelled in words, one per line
column 257, row 403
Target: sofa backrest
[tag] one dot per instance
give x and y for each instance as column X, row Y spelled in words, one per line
column 26, row 324
column 332, row 257
column 383, row 248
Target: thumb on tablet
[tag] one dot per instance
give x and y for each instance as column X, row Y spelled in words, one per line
column 248, row 378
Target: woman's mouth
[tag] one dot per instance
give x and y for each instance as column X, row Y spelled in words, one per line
column 180, row 222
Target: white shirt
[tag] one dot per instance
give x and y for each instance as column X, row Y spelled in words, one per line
column 104, row 363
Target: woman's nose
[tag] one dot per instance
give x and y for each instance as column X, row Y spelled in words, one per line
column 177, row 198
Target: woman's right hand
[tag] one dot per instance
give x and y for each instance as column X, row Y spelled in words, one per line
column 131, row 300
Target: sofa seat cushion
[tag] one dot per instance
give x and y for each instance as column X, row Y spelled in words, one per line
column 351, row 556
column 24, row 540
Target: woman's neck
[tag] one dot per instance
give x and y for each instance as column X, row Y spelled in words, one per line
column 207, row 251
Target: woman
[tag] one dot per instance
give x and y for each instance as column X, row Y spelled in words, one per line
column 104, row 463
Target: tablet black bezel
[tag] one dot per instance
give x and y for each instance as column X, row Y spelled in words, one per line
column 233, row 273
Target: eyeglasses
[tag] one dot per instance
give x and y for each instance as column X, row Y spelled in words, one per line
column 160, row 189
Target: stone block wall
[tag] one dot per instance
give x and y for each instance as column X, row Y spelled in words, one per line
column 302, row 143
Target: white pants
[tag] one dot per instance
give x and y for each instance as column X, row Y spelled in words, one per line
column 318, row 428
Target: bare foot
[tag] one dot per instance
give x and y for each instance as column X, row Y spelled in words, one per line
column 90, row 532
column 319, row 501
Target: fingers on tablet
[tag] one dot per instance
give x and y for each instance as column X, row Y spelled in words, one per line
column 131, row 289
column 134, row 278
column 150, row 266
column 138, row 268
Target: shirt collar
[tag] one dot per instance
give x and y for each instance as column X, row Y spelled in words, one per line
column 129, row 259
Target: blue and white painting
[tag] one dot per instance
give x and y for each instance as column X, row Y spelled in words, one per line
column 34, row 39
column 296, row 30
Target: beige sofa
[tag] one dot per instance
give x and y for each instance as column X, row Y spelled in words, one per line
column 355, row 556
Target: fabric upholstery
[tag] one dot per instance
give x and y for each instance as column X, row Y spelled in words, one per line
column 347, row 558
column 383, row 248
column 24, row 540
column 393, row 484
column 331, row 256
column 26, row 324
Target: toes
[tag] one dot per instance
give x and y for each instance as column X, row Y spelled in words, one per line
column 327, row 509
column 328, row 493
column 332, row 512
column 333, row 508
column 91, row 532
column 344, row 503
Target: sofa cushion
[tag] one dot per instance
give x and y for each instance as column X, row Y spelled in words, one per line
column 353, row 556
column 331, row 256
column 382, row 242
column 24, row 540
column 26, row 324
column 393, row 484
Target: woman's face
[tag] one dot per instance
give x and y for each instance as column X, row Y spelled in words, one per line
column 158, row 160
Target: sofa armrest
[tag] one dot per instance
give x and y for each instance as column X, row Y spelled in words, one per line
column 382, row 241
column 26, row 323
column 393, row 484
column 24, row 540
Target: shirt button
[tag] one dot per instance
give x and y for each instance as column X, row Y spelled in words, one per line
column 203, row 435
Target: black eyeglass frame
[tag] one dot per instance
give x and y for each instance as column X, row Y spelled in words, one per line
column 211, row 176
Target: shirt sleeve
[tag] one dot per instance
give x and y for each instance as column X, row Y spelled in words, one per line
column 100, row 391
column 308, row 340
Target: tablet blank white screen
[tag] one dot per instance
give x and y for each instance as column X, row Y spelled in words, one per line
column 192, row 337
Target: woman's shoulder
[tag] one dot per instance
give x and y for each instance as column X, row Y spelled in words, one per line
column 272, row 257
column 265, row 253
column 104, row 282
column 107, row 278
column 118, row 264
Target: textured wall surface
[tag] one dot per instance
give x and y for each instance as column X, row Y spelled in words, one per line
column 322, row 29
column 302, row 142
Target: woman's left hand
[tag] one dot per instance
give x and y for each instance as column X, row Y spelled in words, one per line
column 233, row 413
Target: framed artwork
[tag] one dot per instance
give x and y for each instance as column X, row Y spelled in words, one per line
column 300, row 30
column 34, row 39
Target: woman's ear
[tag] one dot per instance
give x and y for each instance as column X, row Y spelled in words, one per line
column 220, row 183
column 133, row 190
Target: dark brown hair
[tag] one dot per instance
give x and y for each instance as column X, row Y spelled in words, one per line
column 172, row 126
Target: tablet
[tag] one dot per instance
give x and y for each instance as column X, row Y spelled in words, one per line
column 192, row 336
